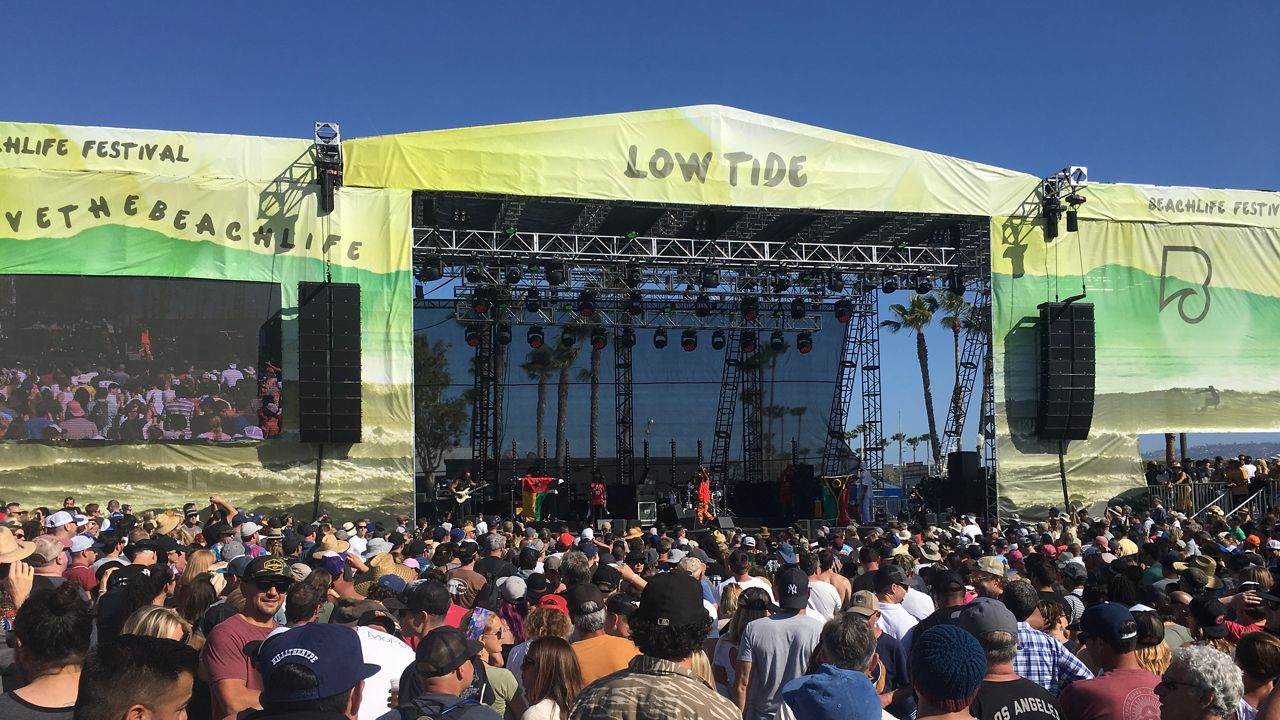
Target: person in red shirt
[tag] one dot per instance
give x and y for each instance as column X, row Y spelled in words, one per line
column 1124, row 691
column 234, row 683
column 703, row 514
column 597, row 496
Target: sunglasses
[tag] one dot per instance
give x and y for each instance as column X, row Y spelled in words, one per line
column 362, row 527
column 265, row 585
column 498, row 633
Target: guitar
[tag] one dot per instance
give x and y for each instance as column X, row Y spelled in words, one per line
column 461, row 496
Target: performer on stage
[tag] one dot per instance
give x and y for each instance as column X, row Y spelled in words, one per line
column 702, row 514
column 864, row 494
column 786, row 500
column 534, row 491
column 461, row 489
column 597, row 497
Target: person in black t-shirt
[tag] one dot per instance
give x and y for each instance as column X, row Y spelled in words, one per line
column 1003, row 694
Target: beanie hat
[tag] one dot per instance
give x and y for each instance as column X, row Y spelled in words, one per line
column 947, row 667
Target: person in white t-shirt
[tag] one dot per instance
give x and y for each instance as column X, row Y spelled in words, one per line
column 824, row 599
column 382, row 647
column 891, row 588
column 739, row 565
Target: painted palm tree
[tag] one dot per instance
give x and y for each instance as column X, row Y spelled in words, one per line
column 956, row 310
column 539, row 365
column 915, row 317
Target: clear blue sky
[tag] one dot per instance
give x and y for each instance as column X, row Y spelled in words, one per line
column 1173, row 93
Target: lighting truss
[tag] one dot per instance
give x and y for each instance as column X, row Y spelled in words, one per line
column 611, row 313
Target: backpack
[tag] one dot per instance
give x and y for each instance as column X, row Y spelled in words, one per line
column 411, row 712
column 487, row 597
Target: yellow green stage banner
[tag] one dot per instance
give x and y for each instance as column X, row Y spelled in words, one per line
column 1186, row 306
column 138, row 205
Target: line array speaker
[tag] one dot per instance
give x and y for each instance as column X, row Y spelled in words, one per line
column 329, row 389
column 1067, row 371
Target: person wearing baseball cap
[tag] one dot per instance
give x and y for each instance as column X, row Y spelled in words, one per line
column 315, row 670
column 891, row 588
column 669, row 627
column 1111, row 635
column 445, row 668
column 987, row 576
column 1003, row 692
column 598, row 653
column 234, row 682
column 775, row 650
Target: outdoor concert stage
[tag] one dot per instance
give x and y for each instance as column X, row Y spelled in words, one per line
column 708, row 228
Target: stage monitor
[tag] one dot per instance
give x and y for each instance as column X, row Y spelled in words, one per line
column 138, row 359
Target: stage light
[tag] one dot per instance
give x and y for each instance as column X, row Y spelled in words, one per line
column 781, row 283
column 430, row 270
column 472, row 335
column 513, row 274
column 750, row 341
column 632, row 235
column 627, row 338
column 566, row 338
column 633, row 276
column 509, row 231
column 1073, row 221
column 703, row 226
column 777, row 341
column 533, row 301
column 635, row 304
column 460, row 216
column 689, row 340
column 482, row 301
column 890, row 283
column 835, row 282
column 555, row 274
column 473, row 274
column 1050, row 224
column 666, row 308
column 955, row 282
column 1077, row 175
column 586, row 303
column 599, row 338
column 660, row 338
column 798, row 309
column 717, row 340
column 804, row 342
column 750, row 309
column 923, row 284
column 709, row 277
column 536, row 336
column 702, row 306
column 503, row 336
column 844, row 310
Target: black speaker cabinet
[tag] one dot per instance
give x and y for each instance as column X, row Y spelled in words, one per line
column 1067, row 372
column 329, row 389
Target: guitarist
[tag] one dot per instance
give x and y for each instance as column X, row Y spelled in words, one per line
column 597, row 497
column 461, row 489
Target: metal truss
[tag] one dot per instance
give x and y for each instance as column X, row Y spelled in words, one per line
column 482, row 407
column 611, row 314
column 977, row 336
column 752, row 416
column 726, row 408
column 867, row 317
column 796, row 253
column 989, row 433
column 623, row 415
column 841, row 400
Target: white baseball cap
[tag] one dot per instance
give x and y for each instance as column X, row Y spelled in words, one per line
column 587, row 534
column 248, row 529
column 58, row 519
column 80, row 543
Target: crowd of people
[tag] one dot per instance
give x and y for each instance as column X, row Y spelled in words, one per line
column 214, row 611
column 139, row 402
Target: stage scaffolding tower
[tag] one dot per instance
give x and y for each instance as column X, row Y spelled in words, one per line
column 624, row 418
column 837, row 443
column 726, row 408
column 867, row 317
column 752, row 417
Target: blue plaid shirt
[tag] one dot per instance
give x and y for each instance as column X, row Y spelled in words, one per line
column 1045, row 661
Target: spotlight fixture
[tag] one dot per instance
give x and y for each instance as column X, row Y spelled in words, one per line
column 632, row 235
column 556, row 274
column 798, row 308
column 835, row 282
column 633, row 276
column 635, row 304
column 702, row 306
column 509, row 231
column 704, row 226
column 750, row 309
column 955, row 282
column 533, row 301
column 660, row 338
column 430, row 270
column 889, row 283
column 804, row 343
column 536, row 336
column 566, row 338
column 777, row 342
column 750, row 341
column 513, row 274
column 717, row 340
column 599, row 338
column 473, row 274
column 781, row 282
column 709, row 277
column 689, row 340
column 503, row 335
column 627, row 338
column 482, row 301
column 459, row 216
column 472, row 335
column 586, row 303
column 1074, row 201
column 844, row 310
column 923, row 284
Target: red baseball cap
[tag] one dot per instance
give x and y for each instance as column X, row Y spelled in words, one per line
column 566, row 539
column 1050, row 551
column 555, row 602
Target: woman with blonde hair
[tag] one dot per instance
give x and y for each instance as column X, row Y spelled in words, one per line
column 157, row 622
column 729, row 595
column 753, row 604
column 1152, row 651
column 551, row 677
column 542, row 622
column 198, row 561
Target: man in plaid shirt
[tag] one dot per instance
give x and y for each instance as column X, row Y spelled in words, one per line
column 1040, row 659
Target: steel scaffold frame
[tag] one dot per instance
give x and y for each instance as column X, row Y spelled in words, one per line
column 841, row 400
column 726, row 407
column 867, row 315
column 624, row 422
column 976, row 339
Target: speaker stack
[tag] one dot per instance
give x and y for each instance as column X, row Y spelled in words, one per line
column 329, row 390
column 1067, row 371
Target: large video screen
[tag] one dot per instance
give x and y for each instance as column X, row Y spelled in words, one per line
column 138, row 359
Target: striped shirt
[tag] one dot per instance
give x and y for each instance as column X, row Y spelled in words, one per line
column 652, row 689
